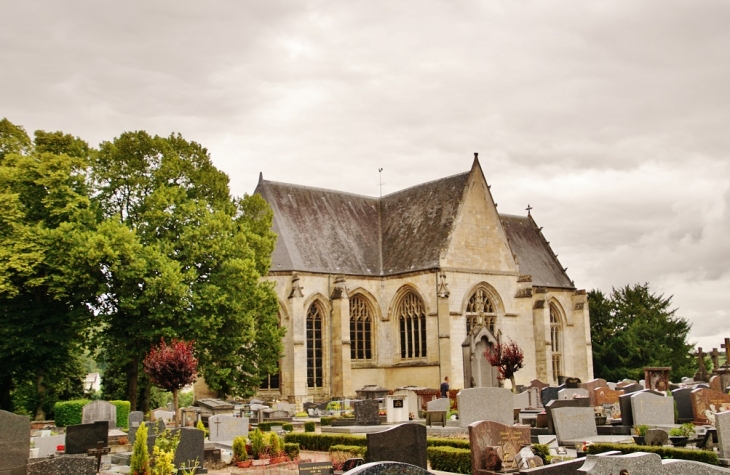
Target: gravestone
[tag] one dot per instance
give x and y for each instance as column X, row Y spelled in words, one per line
column 593, row 384
column 290, row 409
column 648, row 408
column 404, row 443
column 722, row 423
column 14, row 443
column 99, row 411
column 47, row 445
column 627, row 414
column 631, row 388
column 557, row 403
column 539, row 385
column 706, row 403
column 572, row 382
column 527, row 399
column 488, row 437
column 605, row 396
column 634, row 464
column 226, row 428
column 82, row 437
column 162, row 415
column 656, row 437
column 366, row 412
column 572, row 393
column 190, row 449
column 574, row 423
column 384, row 468
column 436, row 411
column 549, row 393
column 134, row 419
column 485, row 404
column 67, row 464
column 440, row 404
column 683, row 399
column 716, row 383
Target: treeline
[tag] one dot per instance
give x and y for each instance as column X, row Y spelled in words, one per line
column 104, row 251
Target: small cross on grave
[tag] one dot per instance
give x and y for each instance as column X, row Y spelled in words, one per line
column 726, row 345
column 98, row 452
column 701, row 374
column 715, row 355
column 217, row 427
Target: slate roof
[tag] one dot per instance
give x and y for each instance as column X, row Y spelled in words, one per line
column 327, row 231
column 534, row 255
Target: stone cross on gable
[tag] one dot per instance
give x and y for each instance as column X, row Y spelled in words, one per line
column 98, row 452
column 715, row 355
column 700, row 360
column 726, row 345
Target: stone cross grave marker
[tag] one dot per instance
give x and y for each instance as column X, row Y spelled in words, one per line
column 99, row 411
column 98, row 452
column 652, row 409
column 726, row 345
column 701, row 373
column 489, row 437
column 485, row 404
column 405, row 443
column 14, row 442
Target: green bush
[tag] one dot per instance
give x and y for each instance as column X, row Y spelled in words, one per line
column 449, row 459
column 289, row 427
column 327, row 421
column 323, row 442
column 352, row 451
column 704, row 456
column 239, row 449
column 309, row 426
column 140, row 460
column 258, row 443
column 68, row 413
column 301, row 414
column 275, row 445
column 292, row 450
column 444, row 442
column 123, row 408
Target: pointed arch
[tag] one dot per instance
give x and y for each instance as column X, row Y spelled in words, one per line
column 557, row 318
column 364, row 313
column 482, row 298
column 409, row 311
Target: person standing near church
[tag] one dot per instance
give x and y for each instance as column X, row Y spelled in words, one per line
column 445, row 387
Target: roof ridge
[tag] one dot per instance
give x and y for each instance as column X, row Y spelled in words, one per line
column 427, row 183
column 315, row 188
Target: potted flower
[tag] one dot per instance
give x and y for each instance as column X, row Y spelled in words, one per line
column 640, row 433
column 277, row 451
column 240, row 455
column 680, row 435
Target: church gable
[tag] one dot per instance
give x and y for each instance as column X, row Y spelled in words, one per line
column 477, row 239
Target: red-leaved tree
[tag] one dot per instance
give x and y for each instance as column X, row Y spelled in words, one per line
column 507, row 357
column 171, row 367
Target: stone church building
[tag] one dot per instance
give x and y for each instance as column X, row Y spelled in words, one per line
column 409, row 288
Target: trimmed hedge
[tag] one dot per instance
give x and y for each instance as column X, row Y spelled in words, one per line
column 309, row 426
column 323, row 442
column 266, row 426
column 704, row 456
column 353, row 451
column 69, row 413
column 444, row 442
column 123, row 408
column 289, row 427
column 292, row 450
column 449, row 459
column 327, row 421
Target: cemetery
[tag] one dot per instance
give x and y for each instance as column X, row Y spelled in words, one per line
column 597, row 426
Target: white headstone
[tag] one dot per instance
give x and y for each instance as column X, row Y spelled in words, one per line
column 572, row 423
column 226, row 427
column 99, row 411
column 722, row 423
column 440, row 404
column 485, row 404
column 652, row 409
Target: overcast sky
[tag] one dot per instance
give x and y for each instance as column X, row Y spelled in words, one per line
column 610, row 118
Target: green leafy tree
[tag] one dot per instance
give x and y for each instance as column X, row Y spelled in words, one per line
column 48, row 279
column 634, row 328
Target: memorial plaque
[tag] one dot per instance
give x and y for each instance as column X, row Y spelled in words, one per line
column 397, row 402
column 316, row 468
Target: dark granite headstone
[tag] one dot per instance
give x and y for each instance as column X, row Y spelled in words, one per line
column 549, row 393
column 14, row 443
column 404, row 443
column 387, row 468
column 366, row 412
column 684, row 405
column 82, row 437
column 134, row 419
column 484, row 436
column 556, row 403
column 63, row 465
column 190, row 449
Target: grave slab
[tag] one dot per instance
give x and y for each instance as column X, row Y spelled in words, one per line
column 63, row 465
column 485, row 404
column 387, row 468
column 224, row 428
column 405, row 443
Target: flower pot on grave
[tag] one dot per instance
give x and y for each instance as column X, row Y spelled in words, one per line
column 261, row 462
column 244, row 464
column 639, row 440
column 281, row 459
column 678, row 440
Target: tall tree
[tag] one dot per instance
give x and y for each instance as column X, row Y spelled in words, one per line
column 48, row 280
column 197, row 256
column 634, row 328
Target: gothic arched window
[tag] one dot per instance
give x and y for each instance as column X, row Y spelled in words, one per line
column 412, row 326
column 556, row 342
column 360, row 329
column 315, row 355
column 480, row 303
